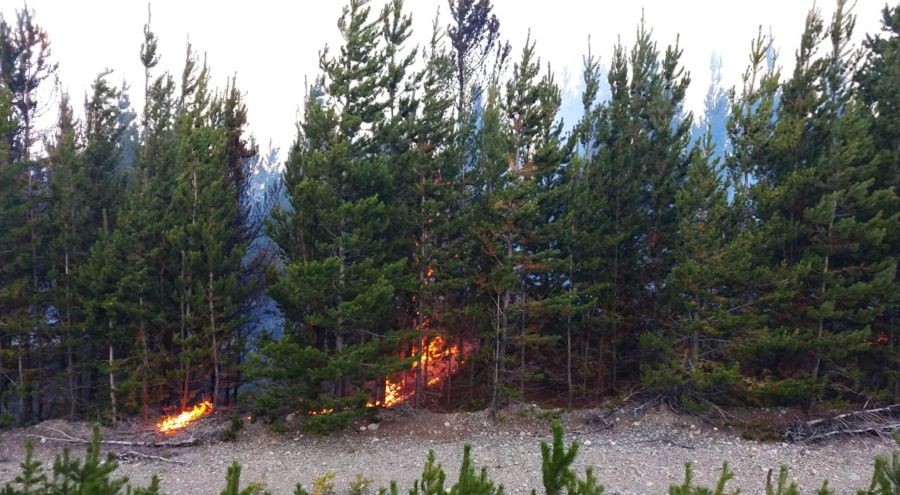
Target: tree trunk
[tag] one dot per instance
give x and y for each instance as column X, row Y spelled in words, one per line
column 569, row 363
column 32, row 307
column 23, row 412
column 215, row 342
column 450, row 358
column 420, row 300
column 615, row 316
column 185, row 314
column 3, row 380
column 112, row 380
column 695, row 340
column 145, row 363
column 495, row 395
column 338, row 346
column 584, row 362
column 820, row 331
column 892, row 343
column 70, row 359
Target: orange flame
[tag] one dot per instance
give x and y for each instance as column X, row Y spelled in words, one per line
column 320, row 411
column 436, row 362
column 172, row 424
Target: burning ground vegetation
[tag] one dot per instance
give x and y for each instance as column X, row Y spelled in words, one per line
column 628, row 453
column 437, row 361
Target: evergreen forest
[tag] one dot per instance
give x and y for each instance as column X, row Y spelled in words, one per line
column 437, row 236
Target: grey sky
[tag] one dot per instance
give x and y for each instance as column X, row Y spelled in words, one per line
column 273, row 44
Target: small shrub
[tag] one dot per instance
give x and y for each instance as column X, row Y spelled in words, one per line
column 7, row 420
column 469, row 482
column 431, row 482
column 233, row 483
column 688, row 488
column 781, row 487
column 327, row 423
column 278, row 427
column 235, row 425
column 555, row 462
column 91, row 475
column 588, row 486
column 359, row 484
column 886, row 477
column 323, row 485
column 393, row 490
column 551, row 414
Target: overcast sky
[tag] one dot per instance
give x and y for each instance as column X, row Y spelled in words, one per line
column 272, row 45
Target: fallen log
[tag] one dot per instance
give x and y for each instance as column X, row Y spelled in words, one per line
column 881, row 421
column 120, row 443
column 131, row 454
column 878, row 430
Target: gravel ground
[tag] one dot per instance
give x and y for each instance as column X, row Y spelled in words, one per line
column 635, row 456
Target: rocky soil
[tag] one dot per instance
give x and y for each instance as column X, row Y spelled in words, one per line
column 631, row 454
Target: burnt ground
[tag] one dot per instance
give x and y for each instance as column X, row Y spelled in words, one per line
column 631, row 453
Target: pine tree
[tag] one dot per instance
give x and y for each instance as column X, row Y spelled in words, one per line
column 547, row 298
column 474, row 35
column 136, row 285
column 13, row 277
column 233, row 483
column 826, row 218
column 339, row 283
column 879, row 90
column 145, row 280
column 103, row 310
column 247, row 216
column 638, row 158
column 84, row 191
column 91, row 475
column 688, row 487
column 751, row 132
column 24, row 67
column 471, row 483
column 555, row 462
column 687, row 360
column 432, row 480
column 614, row 184
column 207, row 223
column 517, row 164
column 70, row 242
column 574, row 232
column 479, row 57
column 504, row 168
column 886, row 476
column 431, row 197
column 31, row 479
column 665, row 157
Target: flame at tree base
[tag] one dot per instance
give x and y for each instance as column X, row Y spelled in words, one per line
column 437, row 363
column 172, row 424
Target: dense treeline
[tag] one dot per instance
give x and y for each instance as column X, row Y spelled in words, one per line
column 125, row 276
column 434, row 197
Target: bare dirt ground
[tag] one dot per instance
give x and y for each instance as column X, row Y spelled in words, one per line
column 631, row 454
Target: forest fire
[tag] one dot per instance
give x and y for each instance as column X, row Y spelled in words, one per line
column 437, row 362
column 172, row 424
